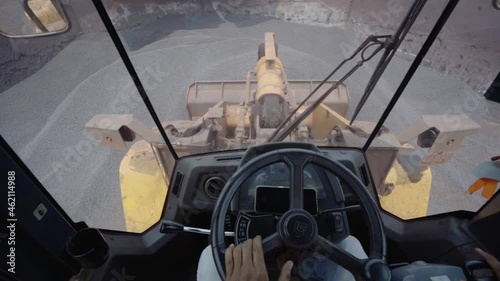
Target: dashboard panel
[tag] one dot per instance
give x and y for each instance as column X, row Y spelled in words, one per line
column 198, row 179
column 276, row 175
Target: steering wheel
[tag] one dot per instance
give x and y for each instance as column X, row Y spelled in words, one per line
column 297, row 228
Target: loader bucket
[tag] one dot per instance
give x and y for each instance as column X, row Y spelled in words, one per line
column 203, row 95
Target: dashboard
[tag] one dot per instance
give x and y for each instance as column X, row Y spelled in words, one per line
column 276, row 175
column 199, row 179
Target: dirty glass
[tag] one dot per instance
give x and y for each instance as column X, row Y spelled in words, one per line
column 448, row 131
column 447, row 162
column 51, row 87
column 196, row 59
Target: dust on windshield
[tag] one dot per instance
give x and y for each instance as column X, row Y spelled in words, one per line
column 226, row 75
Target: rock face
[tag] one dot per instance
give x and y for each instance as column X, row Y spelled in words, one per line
column 466, row 49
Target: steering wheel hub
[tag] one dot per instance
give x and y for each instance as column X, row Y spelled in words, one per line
column 297, row 229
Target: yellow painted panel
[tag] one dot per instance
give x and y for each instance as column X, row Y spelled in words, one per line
column 143, row 187
column 408, row 200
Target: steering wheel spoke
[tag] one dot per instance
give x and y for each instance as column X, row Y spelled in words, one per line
column 271, row 243
column 297, row 188
column 362, row 269
column 339, row 256
column 297, row 164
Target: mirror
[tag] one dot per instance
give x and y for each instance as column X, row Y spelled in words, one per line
column 496, row 4
column 32, row 18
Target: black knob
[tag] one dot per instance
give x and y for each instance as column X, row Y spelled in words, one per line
column 377, row 270
column 170, row 227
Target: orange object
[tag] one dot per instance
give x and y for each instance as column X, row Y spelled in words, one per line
column 489, row 186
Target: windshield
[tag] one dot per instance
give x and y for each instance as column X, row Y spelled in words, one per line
column 227, row 75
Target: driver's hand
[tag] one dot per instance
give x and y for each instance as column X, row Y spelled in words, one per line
column 245, row 262
column 491, row 260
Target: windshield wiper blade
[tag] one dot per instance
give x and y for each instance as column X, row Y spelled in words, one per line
column 281, row 132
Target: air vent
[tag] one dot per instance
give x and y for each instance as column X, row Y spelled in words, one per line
column 177, row 183
column 213, row 186
column 229, row 158
column 364, row 174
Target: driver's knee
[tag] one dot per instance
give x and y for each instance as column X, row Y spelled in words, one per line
column 206, row 266
column 352, row 245
column 313, row 265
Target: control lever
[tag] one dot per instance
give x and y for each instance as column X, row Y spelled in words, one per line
column 351, row 208
column 168, row 226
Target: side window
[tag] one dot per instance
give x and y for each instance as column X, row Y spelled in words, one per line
column 72, row 113
column 444, row 125
column 447, row 160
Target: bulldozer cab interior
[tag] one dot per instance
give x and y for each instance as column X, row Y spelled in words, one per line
column 137, row 137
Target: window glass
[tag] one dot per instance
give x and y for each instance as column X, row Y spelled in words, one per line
column 449, row 137
column 55, row 90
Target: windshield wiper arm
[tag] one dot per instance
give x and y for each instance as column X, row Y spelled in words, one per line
column 390, row 49
column 400, row 34
column 281, row 132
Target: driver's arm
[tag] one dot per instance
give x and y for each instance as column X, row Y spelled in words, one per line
column 245, row 262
